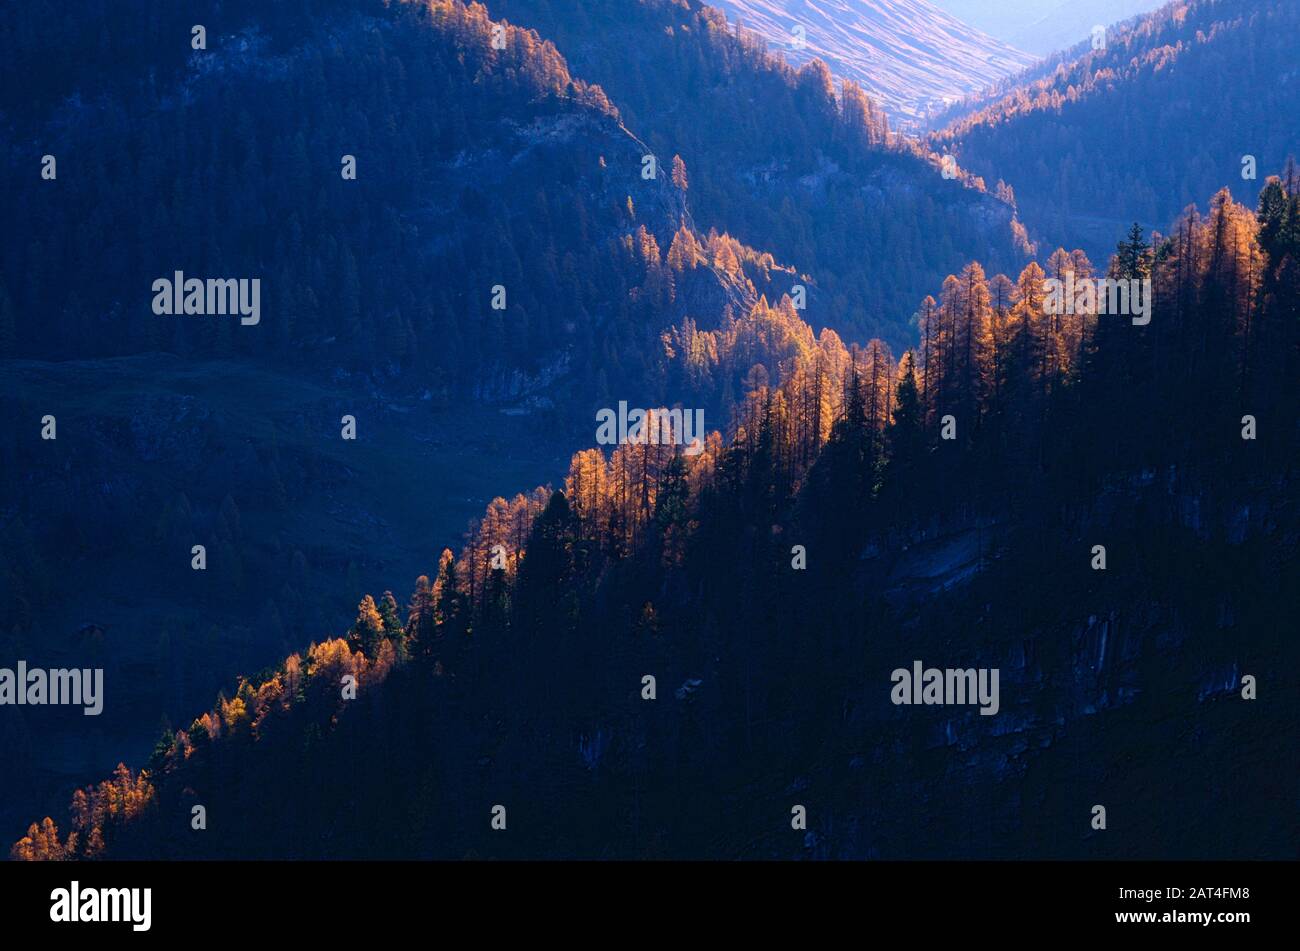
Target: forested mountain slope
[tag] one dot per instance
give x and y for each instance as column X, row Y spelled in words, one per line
column 779, row 163
column 477, row 168
column 1176, row 105
column 864, row 514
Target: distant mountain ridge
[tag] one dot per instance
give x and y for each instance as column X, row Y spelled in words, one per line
column 1188, row 98
column 1044, row 26
column 909, row 54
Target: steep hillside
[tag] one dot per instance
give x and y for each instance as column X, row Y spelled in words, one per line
column 908, row 55
column 157, row 453
column 673, row 654
column 1171, row 109
column 782, row 163
column 476, row 169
